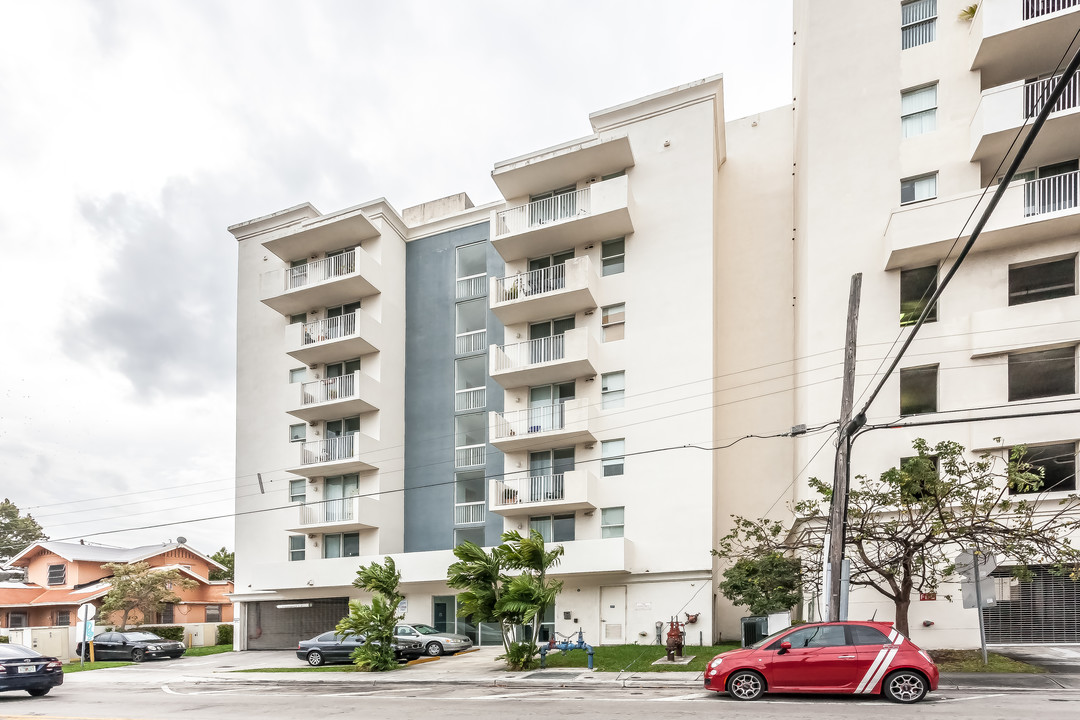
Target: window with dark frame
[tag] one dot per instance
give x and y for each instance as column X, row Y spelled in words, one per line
column 613, row 256
column 1042, row 373
column 611, row 456
column 917, row 189
column 918, row 390
column 63, row 618
column 57, row 574
column 297, row 547
column 917, row 286
column 213, row 613
column 1042, row 281
column 1058, row 463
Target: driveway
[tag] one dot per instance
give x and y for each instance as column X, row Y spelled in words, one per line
column 1058, row 659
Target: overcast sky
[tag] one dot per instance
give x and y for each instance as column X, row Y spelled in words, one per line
column 133, row 132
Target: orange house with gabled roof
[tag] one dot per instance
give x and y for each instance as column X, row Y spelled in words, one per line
column 62, row 576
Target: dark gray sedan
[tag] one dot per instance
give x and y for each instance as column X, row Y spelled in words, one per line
column 133, row 646
column 333, row 648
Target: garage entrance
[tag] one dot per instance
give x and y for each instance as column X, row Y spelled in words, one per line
column 280, row 624
column 1043, row 611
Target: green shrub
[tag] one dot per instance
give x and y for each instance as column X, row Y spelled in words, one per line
column 224, row 635
column 4, row 639
column 522, row 656
column 168, row 632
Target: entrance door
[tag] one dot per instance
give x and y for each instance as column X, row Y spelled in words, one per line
column 613, row 615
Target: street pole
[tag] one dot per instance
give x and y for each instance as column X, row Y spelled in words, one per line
column 977, row 573
column 838, row 509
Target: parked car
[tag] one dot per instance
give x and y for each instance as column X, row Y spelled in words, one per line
column 134, row 646
column 435, row 643
column 24, row 669
column 857, row 658
column 333, row 648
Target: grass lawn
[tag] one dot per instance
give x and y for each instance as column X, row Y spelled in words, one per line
column 971, row 661
column 76, row 666
column 207, row 650
column 636, row 658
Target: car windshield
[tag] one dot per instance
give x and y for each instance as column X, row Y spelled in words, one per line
column 766, row 641
column 16, row 651
column 425, row 629
column 141, row 637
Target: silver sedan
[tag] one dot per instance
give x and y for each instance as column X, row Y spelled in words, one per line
column 435, row 643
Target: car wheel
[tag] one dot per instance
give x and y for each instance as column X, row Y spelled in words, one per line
column 433, row 649
column 746, row 685
column 137, row 655
column 315, row 658
column 39, row 692
column 904, row 686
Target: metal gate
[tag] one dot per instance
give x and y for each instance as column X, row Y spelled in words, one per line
column 280, row 624
column 1045, row 610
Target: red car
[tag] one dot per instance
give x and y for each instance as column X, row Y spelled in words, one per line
column 858, row 658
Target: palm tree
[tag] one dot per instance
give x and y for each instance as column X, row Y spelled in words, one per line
column 480, row 576
column 529, row 555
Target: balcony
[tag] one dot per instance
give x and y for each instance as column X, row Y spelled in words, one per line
column 322, row 234
column 336, row 456
column 1015, row 39
column 321, row 283
column 470, row 399
column 341, row 515
column 598, row 212
column 470, row 456
column 558, row 358
column 549, row 292
column 1029, row 212
column 470, row 342
column 559, row 425
column 471, row 287
column 538, row 494
column 336, row 397
column 333, row 339
column 1003, row 110
column 471, row 513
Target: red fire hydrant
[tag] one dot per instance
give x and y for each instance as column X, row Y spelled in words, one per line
column 674, row 639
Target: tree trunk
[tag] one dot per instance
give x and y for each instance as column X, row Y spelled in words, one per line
column 123, row 621
column 902, row 606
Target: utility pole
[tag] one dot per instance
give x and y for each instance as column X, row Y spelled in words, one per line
column 838, row 509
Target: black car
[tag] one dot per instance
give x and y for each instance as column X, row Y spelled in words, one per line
column 23, row 669
column 133, row 646
column 333, row 648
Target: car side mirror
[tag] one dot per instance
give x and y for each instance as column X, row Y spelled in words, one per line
column 784, row 647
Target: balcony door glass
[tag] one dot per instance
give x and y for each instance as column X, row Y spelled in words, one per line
column 1054, row 188
column 546, row 339
column 339, row 440
column 337, row 491
column 547, row 469
column 552, row 206
column 546, row 406
column 547, row 273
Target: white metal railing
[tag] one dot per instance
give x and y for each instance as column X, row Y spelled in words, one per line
column 471, row 342
column 1038, row 8
column 1036, row 92
column 469, row 456
column 1050, row 194
column 542, row 212
column 470, row 399
column 318, row 271
column 335, row 388
column 918, row 23
column 329, row 329
column 472, row 286
column 470, row 513
column 329, row 450
column 531, row 352
column 532, row 489
column 534, row 282
column 329, row 511
column 544, row 418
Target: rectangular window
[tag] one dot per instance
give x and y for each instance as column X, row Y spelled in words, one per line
column 918, row 111
column 475, row 535
column 297, row 490
column 297, row 545
column 612, row 390
column 557, row 528
column 17, row 619
column 297, row 375
column 470, row 430
column 471, row 260
column 167, row 614
column 918, row 390
column 341, row 545
column 213, row 613
column 613, row 256
column 298, row 432
column 611, row 454
column 611, row 522
column 57, row 574
column 299, row 318
column 1043, row 373
column 918, row 23
column 614, row 322
column 917, row 286
column 1058, row 466
column 1042, row 281
column 63, row 618
column 918, row 189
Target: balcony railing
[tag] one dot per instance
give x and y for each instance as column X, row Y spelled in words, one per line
column 1038, row 8
column 472, row 286
column 329, row 511
column 529, row 283
column 333, row 328
column 543, row 212
column 327, row 389
column 1036, row 92
column 471, row 342
column 470, row 513
column 531, row 352
column 318, row 271
column 1050, row 194
column 533, row 489
column 470, row 399
column 329, row 450
column 527, row 422
column 469, row 456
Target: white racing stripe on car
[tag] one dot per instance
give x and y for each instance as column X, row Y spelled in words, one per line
column 870, row 672
column 881, row 670
column 880, row 663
